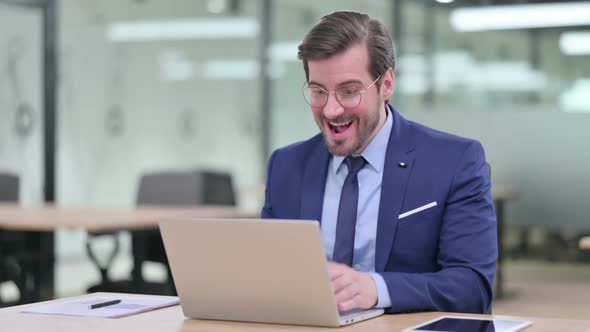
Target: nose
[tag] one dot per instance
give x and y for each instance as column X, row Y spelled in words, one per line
column 332, row 109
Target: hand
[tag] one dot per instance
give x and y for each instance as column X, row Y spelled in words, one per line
column 352, row 289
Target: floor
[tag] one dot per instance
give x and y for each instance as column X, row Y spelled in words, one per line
column 546, row 289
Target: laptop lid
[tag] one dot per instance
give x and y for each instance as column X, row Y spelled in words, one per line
column 251, row 270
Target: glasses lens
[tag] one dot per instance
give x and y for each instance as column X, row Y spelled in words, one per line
column 314, row 96
column 349, row 101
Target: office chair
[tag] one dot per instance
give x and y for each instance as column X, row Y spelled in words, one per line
column 11, row 243
column 163, row 188
column 174, row 188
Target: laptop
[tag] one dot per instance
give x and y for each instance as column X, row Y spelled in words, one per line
column 253, row 270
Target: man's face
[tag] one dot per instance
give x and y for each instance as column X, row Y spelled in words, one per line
column 348, row 130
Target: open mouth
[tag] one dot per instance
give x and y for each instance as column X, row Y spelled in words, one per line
column 339, row 127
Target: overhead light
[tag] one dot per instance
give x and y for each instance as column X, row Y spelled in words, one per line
column 183, row 29
column 575, row 42
column 444, row 1
column 521, row 16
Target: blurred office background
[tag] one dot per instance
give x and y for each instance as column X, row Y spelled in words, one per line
column 149, row 85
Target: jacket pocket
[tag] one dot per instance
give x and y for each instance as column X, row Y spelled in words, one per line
column 417, row 210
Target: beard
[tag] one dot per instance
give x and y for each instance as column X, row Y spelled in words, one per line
column 364, row 127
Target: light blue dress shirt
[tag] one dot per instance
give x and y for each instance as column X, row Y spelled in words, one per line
column 369, row 179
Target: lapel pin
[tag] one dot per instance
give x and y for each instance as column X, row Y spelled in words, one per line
column 403, row 165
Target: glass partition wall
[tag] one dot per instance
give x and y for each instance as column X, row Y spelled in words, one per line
column 152, row 86
column 21, row 99
column 149, row 85
column 23, row 127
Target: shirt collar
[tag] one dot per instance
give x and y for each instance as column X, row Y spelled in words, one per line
column 374, row 154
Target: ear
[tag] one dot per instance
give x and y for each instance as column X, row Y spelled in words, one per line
column 387, row 84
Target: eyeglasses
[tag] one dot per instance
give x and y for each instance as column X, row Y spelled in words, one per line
column 348, row 96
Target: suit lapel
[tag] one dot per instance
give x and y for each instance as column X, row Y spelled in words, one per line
column 393, row 187
column 314, row 183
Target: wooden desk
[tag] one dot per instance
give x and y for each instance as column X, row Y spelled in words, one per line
column 42, row 221
column 172, row 320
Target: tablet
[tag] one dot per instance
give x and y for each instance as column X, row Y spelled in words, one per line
column 466, row 324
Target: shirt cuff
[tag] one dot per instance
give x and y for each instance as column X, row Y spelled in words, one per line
column 383, row 298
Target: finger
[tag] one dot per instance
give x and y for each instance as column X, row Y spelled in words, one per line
column 347, row 293
column 341, row 282
column 349, row 304
column 335, row 270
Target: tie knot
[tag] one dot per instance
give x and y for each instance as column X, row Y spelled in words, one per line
column 355, row 163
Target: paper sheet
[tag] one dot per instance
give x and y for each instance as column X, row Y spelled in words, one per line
column 129, row 305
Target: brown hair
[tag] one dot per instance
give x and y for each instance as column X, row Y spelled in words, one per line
column 338, row 31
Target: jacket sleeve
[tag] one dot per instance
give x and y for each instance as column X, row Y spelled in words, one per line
column 467, row 251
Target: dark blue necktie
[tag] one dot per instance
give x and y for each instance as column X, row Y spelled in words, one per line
column 346, row 224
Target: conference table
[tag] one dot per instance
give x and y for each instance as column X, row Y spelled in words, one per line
column 104, row 219
column 41, row 222
column 171, row 319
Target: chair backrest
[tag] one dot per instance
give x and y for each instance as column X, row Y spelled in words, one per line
column 177, row 188
column 186, row 188
column 9, row 187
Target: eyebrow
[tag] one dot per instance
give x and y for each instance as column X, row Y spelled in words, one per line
column 338, row 85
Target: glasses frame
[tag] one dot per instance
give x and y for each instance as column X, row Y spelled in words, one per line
column 338, row 96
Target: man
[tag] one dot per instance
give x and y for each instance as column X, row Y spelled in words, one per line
column 406, row 213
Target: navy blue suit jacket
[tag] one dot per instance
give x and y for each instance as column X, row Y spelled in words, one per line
column 440, row 259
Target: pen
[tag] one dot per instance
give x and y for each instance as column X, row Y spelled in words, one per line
column 103, row 304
